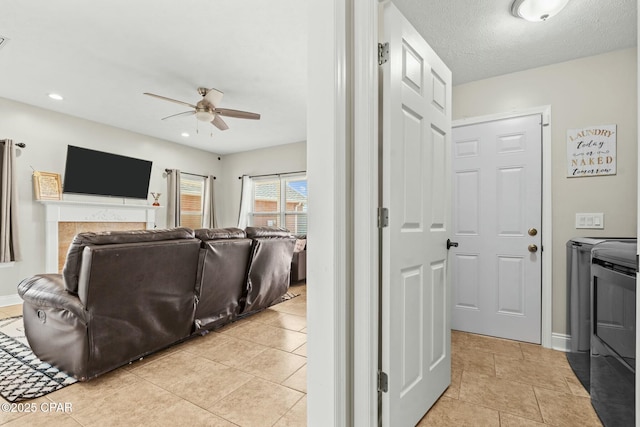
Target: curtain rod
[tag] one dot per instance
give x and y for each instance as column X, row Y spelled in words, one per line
column 273, row 174
column 18, row 144
column 188, row 173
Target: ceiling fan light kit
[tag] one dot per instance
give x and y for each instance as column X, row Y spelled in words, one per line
column 537, row 10
column 204, row 115
column 207, row 110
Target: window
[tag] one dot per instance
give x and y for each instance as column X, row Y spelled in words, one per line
column 191, row 200
column 280, row 202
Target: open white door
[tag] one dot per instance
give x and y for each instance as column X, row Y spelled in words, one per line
column 415, row 182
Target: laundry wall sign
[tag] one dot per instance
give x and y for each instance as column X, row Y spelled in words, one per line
column 591, row 151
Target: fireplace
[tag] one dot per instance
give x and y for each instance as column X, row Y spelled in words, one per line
column 64, row 219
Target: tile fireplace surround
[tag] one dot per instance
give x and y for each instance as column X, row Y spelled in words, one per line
column 57, row 211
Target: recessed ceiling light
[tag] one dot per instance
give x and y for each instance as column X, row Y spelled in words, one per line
column 56, row 96
column 185, row 134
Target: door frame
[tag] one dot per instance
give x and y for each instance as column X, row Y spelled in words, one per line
column 342, row 131
column 548, row 339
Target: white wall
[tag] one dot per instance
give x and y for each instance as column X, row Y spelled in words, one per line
column 597, row 90
column 279, row 159
column 47, row 135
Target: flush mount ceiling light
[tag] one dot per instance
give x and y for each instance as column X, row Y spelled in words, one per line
column 56, row 96
column 537, row 10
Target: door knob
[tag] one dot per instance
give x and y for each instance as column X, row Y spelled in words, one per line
column 532, row 232
column 450, row 243
column 533, row 248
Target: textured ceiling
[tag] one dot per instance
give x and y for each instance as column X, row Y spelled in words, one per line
column 101, row 55
column 480, row 38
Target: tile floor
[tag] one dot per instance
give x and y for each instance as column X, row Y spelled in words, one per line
column 252, row 373
column 497, row 382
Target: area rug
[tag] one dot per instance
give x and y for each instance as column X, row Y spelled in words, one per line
column 22, row 375
column 285, row 297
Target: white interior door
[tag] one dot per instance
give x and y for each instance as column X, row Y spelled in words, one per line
column 416, row 126
column 497, row 273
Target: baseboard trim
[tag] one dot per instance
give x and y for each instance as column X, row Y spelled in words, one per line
column 560, row 342
column 6, row 300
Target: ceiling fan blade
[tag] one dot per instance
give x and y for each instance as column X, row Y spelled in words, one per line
column 213, row 96
column 219, row 123
column 185, row 113
column 170, row 100
column 237, row 114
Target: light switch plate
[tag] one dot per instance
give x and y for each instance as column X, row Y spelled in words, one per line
column 590, row 220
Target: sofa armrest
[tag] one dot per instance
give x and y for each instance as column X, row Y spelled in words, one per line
column 47, row 290
column 299, row 266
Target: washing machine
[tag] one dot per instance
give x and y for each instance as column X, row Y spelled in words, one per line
column 578, row 250
column 613, row 326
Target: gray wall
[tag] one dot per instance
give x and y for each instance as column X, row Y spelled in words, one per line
column 596, row 90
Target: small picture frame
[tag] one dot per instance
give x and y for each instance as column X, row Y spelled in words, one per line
column 47, row 186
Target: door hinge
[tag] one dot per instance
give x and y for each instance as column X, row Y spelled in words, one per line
column 383, row 53
column 383, row 382
column 383, row 217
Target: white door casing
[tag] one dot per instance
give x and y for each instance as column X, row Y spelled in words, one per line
column 416, row 127
column 496, row 280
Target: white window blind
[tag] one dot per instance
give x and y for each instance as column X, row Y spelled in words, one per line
column 280, row 201
column 191, row 200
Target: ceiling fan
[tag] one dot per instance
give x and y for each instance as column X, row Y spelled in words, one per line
column 207, row 109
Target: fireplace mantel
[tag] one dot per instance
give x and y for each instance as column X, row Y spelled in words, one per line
column 76, row 211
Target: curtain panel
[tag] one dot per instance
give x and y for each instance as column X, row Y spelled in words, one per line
column 209, row 214
column 9, row 244
column 173, row 198
column 246, row 197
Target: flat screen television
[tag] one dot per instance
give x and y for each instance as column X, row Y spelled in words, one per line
column 105, row 174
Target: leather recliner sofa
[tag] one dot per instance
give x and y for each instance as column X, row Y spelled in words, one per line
column 124, row 295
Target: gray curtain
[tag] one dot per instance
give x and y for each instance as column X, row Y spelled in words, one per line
column 173, row 202
column 9, row 247
column 209, row 217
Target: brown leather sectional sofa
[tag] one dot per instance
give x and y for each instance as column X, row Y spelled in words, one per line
column 124, row 295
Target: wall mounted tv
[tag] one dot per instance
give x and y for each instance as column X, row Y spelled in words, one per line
column 105, row 174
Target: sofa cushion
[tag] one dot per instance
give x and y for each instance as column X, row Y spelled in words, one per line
column 220, row 233
column 222, row 281
column 268, row 273
column 256, row 232
column 71, row 269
